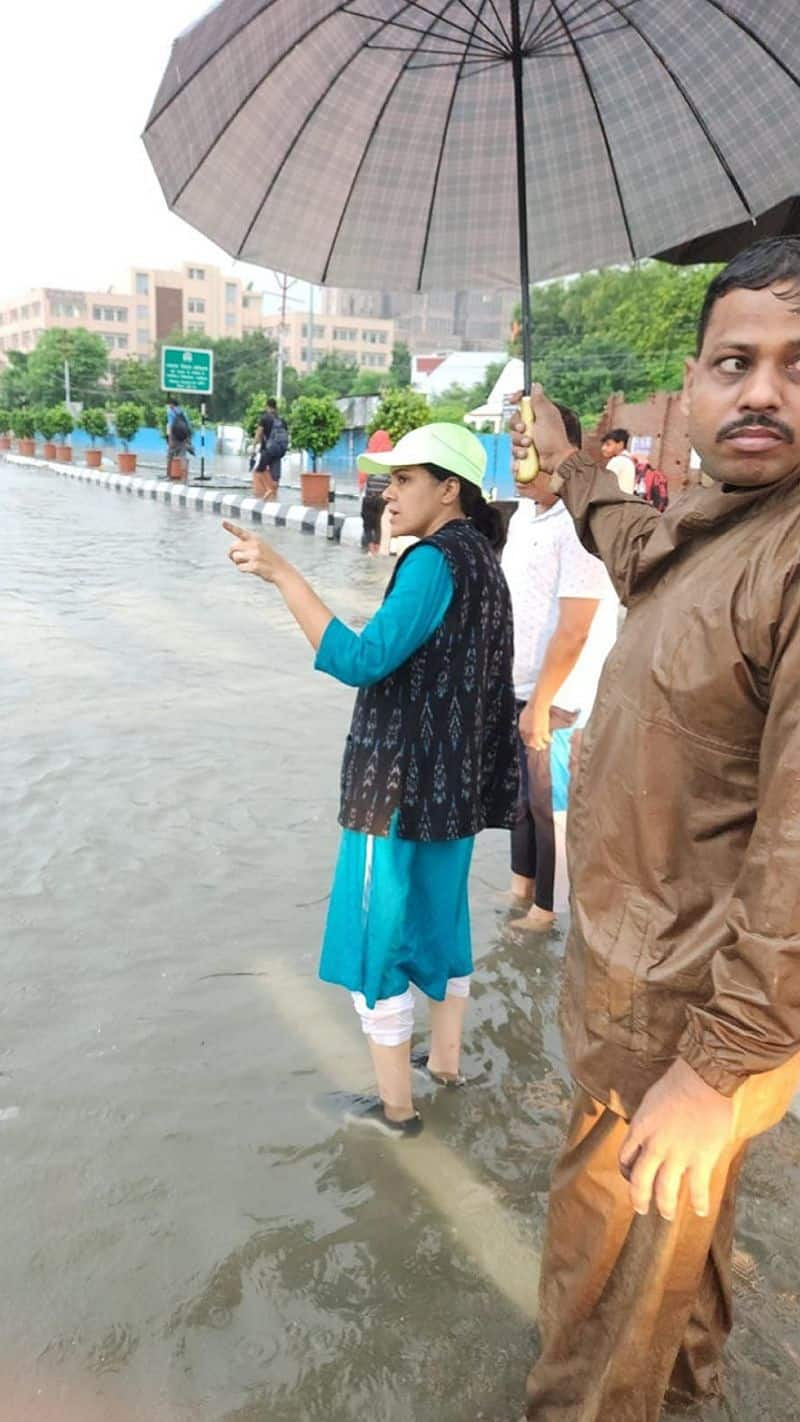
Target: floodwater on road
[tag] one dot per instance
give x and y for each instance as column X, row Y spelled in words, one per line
column 186, row 1231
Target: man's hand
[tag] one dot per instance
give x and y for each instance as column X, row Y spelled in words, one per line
column 682, row 1128
column 252, row 555
column 549, row 434
column 534, row 725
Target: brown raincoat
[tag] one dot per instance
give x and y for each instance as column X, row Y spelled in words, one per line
column 684, row 825
column 684, row 851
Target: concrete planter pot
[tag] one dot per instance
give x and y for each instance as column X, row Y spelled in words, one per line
column 5, row 442
column 48, row 450
column 27, row 447
column 126, row 462
column 178, row 469
column 94, row 458
column 314, row 489
column 63, row 453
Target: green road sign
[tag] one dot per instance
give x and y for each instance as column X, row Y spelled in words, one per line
column 184, row 368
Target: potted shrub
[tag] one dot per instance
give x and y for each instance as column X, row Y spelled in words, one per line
column 5, row 429
column 316, row 424
column 64, row 425
column 24, row 426
column 47, row 423
column 95, row 423
column 127, row 420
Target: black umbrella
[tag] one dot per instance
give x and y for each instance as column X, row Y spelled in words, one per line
column 783, row 220
column 411, row 145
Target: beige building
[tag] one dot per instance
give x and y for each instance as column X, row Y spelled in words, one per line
column 434, row 320
column 149, row 304
column 367, row 340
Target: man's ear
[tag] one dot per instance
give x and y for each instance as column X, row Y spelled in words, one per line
column 689, row 367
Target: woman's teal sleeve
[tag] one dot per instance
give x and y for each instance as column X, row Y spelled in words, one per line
column 423, row 590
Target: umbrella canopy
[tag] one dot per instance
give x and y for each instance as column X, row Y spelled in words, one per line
column 783, row 220
column 374, row 143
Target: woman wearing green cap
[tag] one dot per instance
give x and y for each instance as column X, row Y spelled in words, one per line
column 430, row 759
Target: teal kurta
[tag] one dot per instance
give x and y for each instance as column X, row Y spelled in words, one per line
column 399, row 911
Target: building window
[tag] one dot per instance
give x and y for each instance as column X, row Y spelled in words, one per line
column 197, row 274
column 61, row 308
column 143, row 337
column 230, row 293
column 230, row 318
column 197, row 305
column 142, row 284
column 25, row 312
column 196, row 326
column 110, row 313
column 142, row 313
column 319, row 331
column 36, row 309
column 345, row 333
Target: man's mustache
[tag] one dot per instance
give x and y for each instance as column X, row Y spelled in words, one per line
column 757, row 422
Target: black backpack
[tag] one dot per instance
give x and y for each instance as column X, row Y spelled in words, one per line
column 278, row 439
column 181, row 430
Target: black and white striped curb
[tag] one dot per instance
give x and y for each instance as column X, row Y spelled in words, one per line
column 346, row 528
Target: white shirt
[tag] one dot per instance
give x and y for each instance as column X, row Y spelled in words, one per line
column 623, row 466
column 544, row 560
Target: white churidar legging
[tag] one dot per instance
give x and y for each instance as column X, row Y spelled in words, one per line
column 391, row 1021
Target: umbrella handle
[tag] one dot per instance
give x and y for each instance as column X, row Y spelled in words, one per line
column 528, row 468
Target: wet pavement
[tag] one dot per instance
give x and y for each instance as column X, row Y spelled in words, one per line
column 186, row 1232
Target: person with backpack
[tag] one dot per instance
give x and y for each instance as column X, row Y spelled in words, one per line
column 430, row 760
column 179, row 436
column 270, row 443
column 651, row 484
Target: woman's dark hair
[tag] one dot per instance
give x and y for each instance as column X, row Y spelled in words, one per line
column 776, row 259
column 486, row 518
column 572, row 424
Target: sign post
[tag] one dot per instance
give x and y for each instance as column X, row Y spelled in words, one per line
column 191, row 370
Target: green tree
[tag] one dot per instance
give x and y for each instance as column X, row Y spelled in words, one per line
column 369, row 382
column 5, row 420
column 316, row 425
column 14, row 391
column 333, row 375
column 399, row 412
column 88, row 365
column 95, row 422
column 400, row 368
column 127, row 420
column 623, row 328
column 139, row 382
column 47, row 421
column 23, row 423
column 62, row 422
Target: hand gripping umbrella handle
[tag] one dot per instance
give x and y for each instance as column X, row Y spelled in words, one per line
column 527, row 468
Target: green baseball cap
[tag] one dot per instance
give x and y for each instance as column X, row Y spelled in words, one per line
column 452, row 447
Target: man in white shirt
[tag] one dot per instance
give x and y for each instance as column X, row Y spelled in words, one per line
column 565, row 623
column 614, row 450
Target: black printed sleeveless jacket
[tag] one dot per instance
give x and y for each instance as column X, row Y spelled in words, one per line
column 436, row 739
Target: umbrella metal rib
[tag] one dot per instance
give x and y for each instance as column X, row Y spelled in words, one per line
column 367, row 147
column 691, row 105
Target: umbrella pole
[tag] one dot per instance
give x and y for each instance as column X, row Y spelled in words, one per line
column 522, row 192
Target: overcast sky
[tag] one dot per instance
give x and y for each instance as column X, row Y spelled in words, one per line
column 81, row 202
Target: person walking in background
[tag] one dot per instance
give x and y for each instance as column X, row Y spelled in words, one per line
column 430, row 759
column 375, row 516
column 270, row 443
column 179, row 436
column 565, row 624
column 614, row 450
column 681, row 1004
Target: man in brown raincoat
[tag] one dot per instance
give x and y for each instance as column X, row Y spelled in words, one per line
column 681, row 1006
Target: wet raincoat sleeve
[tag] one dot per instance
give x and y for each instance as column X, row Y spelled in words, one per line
column 751, row 1022
column 422, row 592
column 614, row 526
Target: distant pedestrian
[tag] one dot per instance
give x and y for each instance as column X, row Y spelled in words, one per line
column 179, row 436
column 615, row 453
column 270, row 444
column 430, row 759
column 374, row 510
column 565, row 624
